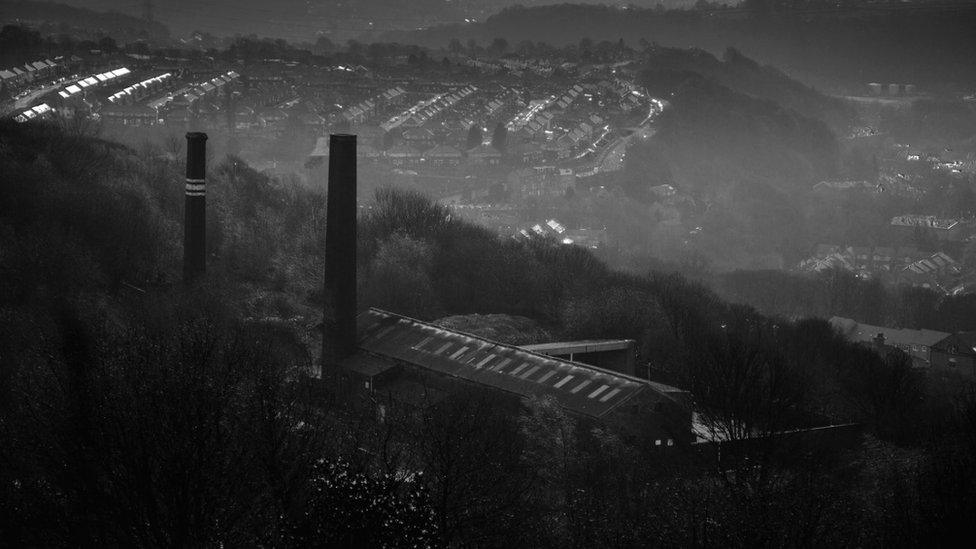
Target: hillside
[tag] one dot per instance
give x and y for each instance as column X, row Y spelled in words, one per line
column 740, row 159
column 82, row 216
column 143, row 412
column 728, row 136
column 85, row 219
column 744, row 75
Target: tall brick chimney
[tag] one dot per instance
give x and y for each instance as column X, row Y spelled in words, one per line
column 339, row 320
column 195, row 209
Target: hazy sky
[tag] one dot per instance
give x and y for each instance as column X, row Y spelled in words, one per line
column 306, row 17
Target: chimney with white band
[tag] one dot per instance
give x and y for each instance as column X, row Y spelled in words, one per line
column 195, row 216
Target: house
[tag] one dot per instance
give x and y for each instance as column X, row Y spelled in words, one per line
column 30, row 71
column 942, row 229
column 313, row 121
column 245, row 118
column 484, row 155
column 663, row 191
column 908, row 254
column 899, row 185
column 354, row 115
column 823, row 250
column 828, row 187
column 883, row 256
column 919, row 276
column 862, row 257
column 369, row 133
column 403, row 155
column 956, row 353
column 570, row 141
column 526, row 153
column 41, row 111
column 930, row 272
column 443, row 156
column 10, row 79
column 917, row 344
column 421, row 138
column 540, row 181
column 270, row 116
column 586, row 237
column 369, row 153
column 553, row 151
column 394, row 96
column 129, row 115
column 176, row 116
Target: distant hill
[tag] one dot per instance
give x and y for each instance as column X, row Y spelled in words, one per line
column 724, row 136
column 745, row 160
column 303, row 20
column 744, row 75
column 294, row 20
column 55, row 18
column 922, row 43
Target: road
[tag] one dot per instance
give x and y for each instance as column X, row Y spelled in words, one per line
column 31, row 99
column 612, row 157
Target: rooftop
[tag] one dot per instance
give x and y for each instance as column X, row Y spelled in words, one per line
column 580, row 388
column 581, row 346
column 484, row 150
column 866, row 333
column 929, row 221
column 443, row 151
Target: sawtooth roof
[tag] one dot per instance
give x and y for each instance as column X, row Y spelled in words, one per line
column 581, row 388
